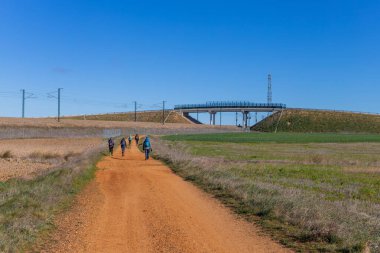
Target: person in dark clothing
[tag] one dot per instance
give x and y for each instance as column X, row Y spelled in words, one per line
column 147, row 147
column 123, row 145
column 137, row 138
column 111, row 144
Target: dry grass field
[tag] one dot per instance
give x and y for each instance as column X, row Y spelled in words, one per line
column 28, row 157
column 145, row 116
column 49, row 127
column 52, row 122
column 17, row 128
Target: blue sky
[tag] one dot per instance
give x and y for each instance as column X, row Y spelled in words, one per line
column 106, row 54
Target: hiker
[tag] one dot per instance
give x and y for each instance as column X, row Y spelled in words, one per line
column 137, row 138
column 147, row 147
column 123, row 145
column 130, row 140
column 111, row 144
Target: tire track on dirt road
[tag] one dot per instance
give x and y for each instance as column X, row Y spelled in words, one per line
column 145, row 207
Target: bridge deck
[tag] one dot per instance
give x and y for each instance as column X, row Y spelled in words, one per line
column 230, row 107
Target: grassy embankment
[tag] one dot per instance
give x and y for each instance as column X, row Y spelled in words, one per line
column 319, row 121
column 312, row 192
column 28, row 207
column 147, row 116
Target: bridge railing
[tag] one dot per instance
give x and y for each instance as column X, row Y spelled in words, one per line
column 242, row 104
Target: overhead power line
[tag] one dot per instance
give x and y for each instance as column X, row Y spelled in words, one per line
column 72, row 99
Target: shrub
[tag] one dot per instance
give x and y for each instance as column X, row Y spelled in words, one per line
column 6, row 154
column 46, row 155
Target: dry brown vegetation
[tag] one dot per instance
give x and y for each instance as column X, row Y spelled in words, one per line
column 28, row 206
column 146, row 116
column 67, row 123
column 50, row 128
column 28, row 157
column 6, row 154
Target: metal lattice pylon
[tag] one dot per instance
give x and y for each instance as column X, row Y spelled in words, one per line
column 269, row 89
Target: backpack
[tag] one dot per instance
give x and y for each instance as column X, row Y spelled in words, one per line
column 146, row 144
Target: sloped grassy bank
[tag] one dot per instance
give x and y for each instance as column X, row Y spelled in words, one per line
column 310, row 207
column 28, row 207
column 318, row 121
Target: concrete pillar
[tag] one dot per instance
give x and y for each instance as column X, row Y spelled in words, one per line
column 245, row 120
column 212, row 118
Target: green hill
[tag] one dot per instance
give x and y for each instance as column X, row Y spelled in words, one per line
column 145, row 116
column 297, row 120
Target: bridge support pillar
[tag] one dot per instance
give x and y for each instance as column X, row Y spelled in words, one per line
column 245, row 120
column 212, row 118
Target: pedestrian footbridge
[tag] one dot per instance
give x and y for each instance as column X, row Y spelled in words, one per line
column 238, row 107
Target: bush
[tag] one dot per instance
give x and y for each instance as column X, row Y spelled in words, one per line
column 6, row 154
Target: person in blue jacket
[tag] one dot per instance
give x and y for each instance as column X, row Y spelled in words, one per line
column 123, row 145
column 147, row 147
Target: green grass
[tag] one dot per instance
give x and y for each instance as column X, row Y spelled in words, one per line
column 330, row 181
column 277, row 137
column 317, row 162
column 293, row 120
column 28, row 207
column 312, row 192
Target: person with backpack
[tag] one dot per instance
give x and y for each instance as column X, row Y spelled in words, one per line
column 123, row 145
column 137, row 138
column 147, row 147
column 130, row 140
column 111, row 144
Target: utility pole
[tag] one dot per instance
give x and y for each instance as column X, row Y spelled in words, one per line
column 23, row 103
column 25, row 96
column 163, row 112
column 135, row 111
column 59, row 103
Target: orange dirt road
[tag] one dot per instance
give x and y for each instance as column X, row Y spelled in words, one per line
column 147, row 208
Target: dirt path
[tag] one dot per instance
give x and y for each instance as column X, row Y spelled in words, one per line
column 144, row 207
